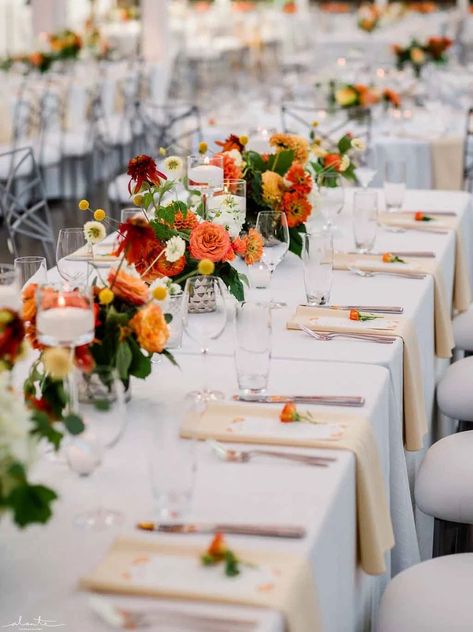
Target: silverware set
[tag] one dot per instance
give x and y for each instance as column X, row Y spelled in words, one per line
column 427, row 254
column 321, row 400
column 187, row 528
column 368, row 337
column 390, row 228
column 391, row 273
column 375, row 309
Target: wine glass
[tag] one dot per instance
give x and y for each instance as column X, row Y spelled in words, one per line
column 31, row 270
column 102, row 408
column 9, row 287
column 365, row 172
column 204, row 320
column 332, row 196
column 272, row 226
column 72, row 254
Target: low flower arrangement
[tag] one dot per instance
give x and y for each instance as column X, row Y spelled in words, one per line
column 417, row 54
column 335, row 159
column 369, row 16
column 358, row 95
column 177, row 242
column 20, row 426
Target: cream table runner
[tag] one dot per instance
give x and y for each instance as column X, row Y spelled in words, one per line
column 444, row 342
column 281, row 581
column 415, row 420
column 447, row 162
column 251, row 423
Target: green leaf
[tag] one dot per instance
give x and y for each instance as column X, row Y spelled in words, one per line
column 102, row 405
column 31, row 503
column 124, row 359
column 232, row 280
column 167, row 354
column 344, row 144
column 140, row 364
column 73, row 424
column 281, row 161
column 43, row 428
column 296, row 243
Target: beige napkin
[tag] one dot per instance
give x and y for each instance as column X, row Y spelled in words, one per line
column 375, row 534
column 6, row 123
column 291, row 589
column 415, row 420
column 462, row 289
column 444, row 341
column 447, row 162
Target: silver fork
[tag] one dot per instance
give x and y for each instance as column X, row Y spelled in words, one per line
column 323, row 335
column 372, row 273
column 243, row 456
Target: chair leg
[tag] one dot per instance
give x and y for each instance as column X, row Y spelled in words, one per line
column 452, row 537
column 464, row 426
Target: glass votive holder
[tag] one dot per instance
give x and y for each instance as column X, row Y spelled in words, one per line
column 9, row 287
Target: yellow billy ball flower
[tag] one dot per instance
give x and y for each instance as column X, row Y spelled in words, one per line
column 138, row 199
column 159, row 293
column 57, row 362
column 203, row 147
column 106, row 296
column 243, row 139
column 206, row 267
column 315, row 124
column 100, row 215
column 5, row 317
column 84, row 205
column 162, row 151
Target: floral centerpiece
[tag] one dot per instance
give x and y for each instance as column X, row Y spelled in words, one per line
column 369, row 16
column 337, row 159
column 351, row 95
column 175, row 241
column 417, row 54
column 19, row 427
column 65, row 44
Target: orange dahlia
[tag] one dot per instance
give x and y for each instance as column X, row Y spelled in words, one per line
column 297, row 208
column 150, row 328
column 128, row 288
column 209, row 241
column 297, row 144
column 300, row 180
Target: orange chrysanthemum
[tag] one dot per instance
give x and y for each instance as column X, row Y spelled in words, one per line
column 150, row 328
column 297, row 209
column 300, row 180
column 188, row 222
column 297, row 144
column 128, row 288
column 209, row 241
column 250, row 247
column 272, row 187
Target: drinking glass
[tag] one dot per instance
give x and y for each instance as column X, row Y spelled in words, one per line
column 252, row 347
column 172, row 468
column 365, row 219
column 205, row 174
column 332, row 196
column 176, row 306
column 130, row 212
column 228, row 206
column 102, row 408
column 317, row 259
column 394, row 184
column 31, row 270
column 272, row 226
column 71, row 264
column 205, row 325
column 65, row 317
column 365, row 172
column 9, row 287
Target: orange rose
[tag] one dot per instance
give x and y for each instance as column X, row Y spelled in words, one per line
column 333, row 160
column 150, row 328
column 209, row 241
column 128, row 288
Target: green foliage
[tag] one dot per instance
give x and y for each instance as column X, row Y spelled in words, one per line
column 42, row 427
column 73, row 424
column 232, row 280
column 123, row 359
column 344, row 144
column 29, row 503
column 296, row 243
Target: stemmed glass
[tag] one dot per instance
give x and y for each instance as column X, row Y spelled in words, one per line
column 72, row 254
column 9, row 287
column 272, row 226
column 332, row 196
column 365, row 173
column 204, row 320
column 205, row 174
column 102, row 408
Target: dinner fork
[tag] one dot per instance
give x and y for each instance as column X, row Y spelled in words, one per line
column 243, row 456
column 323, row 336
column 372, row 273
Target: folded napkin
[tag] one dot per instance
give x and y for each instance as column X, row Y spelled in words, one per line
column 102, row 253
column 447, row 162
column 415, row 420
column 444, row 341
column 462, row 289
column 280, row 581
column 6, row 123
column 252, row 423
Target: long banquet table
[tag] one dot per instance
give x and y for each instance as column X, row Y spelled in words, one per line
column 40, row 568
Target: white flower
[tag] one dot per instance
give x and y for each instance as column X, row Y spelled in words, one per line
column 237, row 157
column 175, row 248
column 174, row 167
column 358, row 144
column 344, row 163
column 15, row 425
column 94, row 232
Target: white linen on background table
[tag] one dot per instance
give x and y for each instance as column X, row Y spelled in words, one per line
column 40, row 568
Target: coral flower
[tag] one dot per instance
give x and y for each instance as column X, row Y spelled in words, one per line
column 333, row 161
column 170, row 269
column 231, row 171
column 232, row 142
column 142, row 169
column 12, row 333
column 188, row 222
column 298, row 144
column 128, row 288
column 29, row 302
column 209, row 241
column 273, row 187
column 138, row 239
column 83, row 358
column 150, row 328
column 289, row 413
column 250, row 247
column 148, row 266
column 300, row 180
column 297, row 209
column 392, row 97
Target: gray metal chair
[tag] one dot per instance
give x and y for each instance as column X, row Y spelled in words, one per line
column 23, row 203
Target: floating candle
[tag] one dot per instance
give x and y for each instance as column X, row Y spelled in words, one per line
column 65, row 326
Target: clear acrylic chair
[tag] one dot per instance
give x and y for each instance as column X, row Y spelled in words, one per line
column 23, row 203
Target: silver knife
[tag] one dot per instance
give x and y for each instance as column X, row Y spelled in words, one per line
column 401, row 253
column 324, row 400
column 268, row 531
column 377, row 309
column 446, row 213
